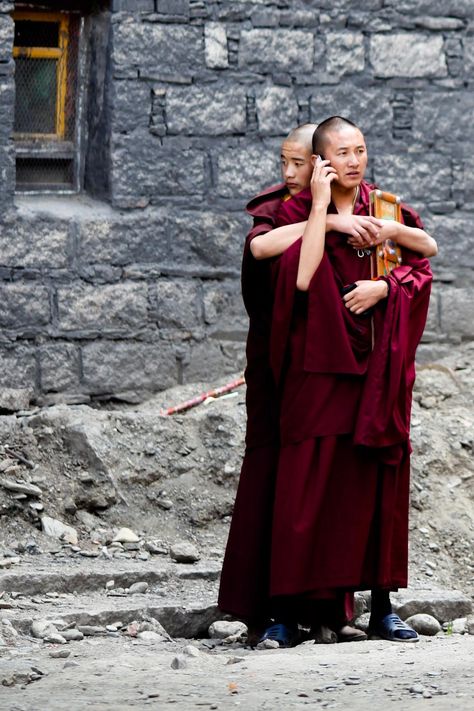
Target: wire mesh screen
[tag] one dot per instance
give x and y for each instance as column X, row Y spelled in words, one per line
column 36, row 95
column 46, row 79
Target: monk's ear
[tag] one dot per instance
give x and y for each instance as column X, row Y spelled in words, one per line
column 314, row 158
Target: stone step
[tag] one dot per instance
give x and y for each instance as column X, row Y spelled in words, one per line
column 40, row 577
column 184, row 618
column 445, row 605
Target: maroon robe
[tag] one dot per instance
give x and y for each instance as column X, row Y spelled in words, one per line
column 340, row 515
column 244, row 587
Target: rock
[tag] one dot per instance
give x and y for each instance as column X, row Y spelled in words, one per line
column 470, row 624
column 184, row 552
column 179, row 662
column 156, row 548
column 459, row 626
column 110, row 584
column 71, row 663
column 126, row 535
column 191, row 651
column 223, row 629
column 444, row 605
column 54, row 638
column 416, row 689
column 424, row 624
column 21, row 487
column 56, row 529
column 60, row 653
column 14, row 399
column 43, row 628
column 268, row 644
column 362, row 622
column 91, row 630
column 72, row 635
column 138, row 588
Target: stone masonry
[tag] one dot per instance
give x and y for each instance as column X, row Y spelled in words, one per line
column 134, row 289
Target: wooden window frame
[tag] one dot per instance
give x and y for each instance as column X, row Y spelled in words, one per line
column 61, row 54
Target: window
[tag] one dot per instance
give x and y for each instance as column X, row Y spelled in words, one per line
column 46, row 80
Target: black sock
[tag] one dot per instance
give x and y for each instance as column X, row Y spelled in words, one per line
column 380, row 605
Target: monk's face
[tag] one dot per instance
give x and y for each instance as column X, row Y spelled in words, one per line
column 346, row 150
column 296, row 166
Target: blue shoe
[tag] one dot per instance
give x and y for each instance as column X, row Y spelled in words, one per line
column 285, row 635
column 392, row 628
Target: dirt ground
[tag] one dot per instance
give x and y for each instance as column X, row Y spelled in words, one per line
column 118, row 675
column 173, row 479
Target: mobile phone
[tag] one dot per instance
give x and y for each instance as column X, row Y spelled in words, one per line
column 350, row 287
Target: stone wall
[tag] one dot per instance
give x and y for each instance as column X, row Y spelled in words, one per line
column 141, row 290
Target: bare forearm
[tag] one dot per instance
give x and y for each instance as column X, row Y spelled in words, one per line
column 312, row 247
column 417, row 240
column 275, row 242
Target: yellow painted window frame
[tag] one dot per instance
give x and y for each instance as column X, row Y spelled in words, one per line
column 60, row 53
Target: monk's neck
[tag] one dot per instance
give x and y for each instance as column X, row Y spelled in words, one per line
column 344, row 198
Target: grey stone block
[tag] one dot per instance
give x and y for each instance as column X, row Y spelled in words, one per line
column 143, row 169
column 407, row 55
column 34, row 243
column 131, row 238
column 133, row 5
column 345, row 53
column 413, row 176
column 7, row 28
column 24, row 305
column 444, row 605
column 215, row 45
column 151, row 46
column 277, row 110
column 59, row 367
column 206, row 110
column 7, row 102
column 113, row 308
column 207, row 238
column 369, row 108
column 432, row 322
column 18, row 367
column 454, row 8
column 178, row 304
column 443, row 116
column 224, row 310
column 456, row 312
column 209, row 357
column 453, row 234
column 243, row 172
column 468, row 43
column 131, row 105
column 276, row 50
column 173, row 7
column 115, row 366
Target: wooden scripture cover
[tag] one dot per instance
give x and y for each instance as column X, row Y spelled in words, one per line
column 388, row 254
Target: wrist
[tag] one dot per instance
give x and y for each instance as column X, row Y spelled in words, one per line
column 318, row 207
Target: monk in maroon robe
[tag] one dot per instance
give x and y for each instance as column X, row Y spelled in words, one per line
column 245, row 587
column 340, row 513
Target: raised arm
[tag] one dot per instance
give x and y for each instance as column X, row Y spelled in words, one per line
column 312, row 246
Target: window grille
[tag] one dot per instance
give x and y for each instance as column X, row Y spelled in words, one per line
column 45, row 125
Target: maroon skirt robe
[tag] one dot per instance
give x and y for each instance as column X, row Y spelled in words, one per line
column 340, row 513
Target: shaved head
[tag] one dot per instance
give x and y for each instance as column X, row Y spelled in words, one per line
column 303, row 135
column 332, row 124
